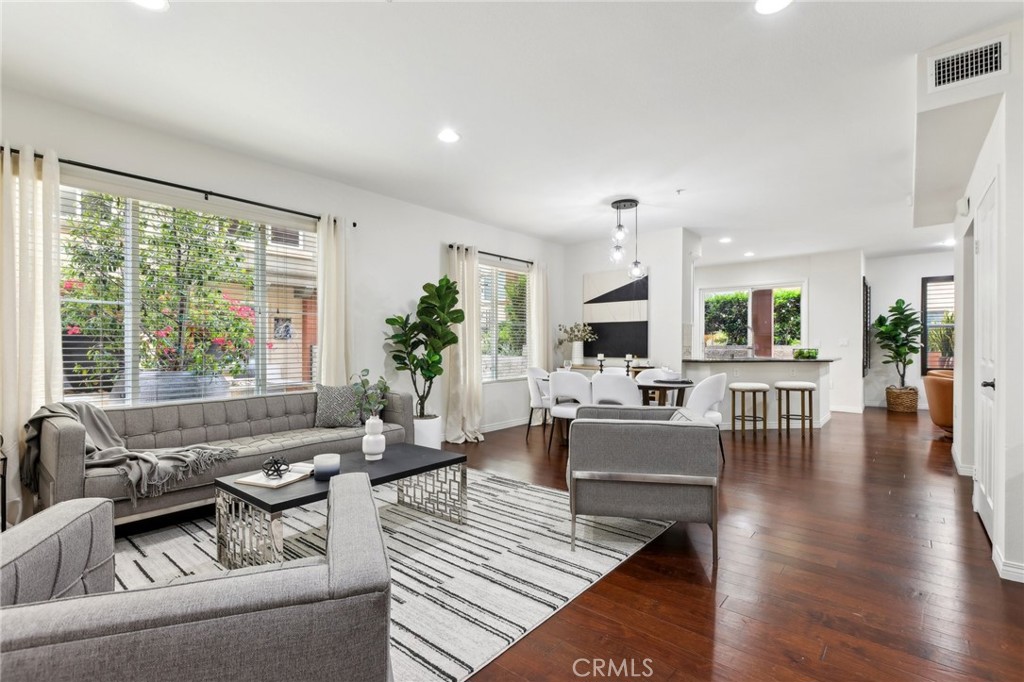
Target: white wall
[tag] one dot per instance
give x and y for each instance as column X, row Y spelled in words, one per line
column 666, row 255
column 1001, row 158
column 833, row 300
column 892, row 278
column 396, row 247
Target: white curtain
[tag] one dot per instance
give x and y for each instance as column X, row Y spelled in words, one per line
column 30, row 369
column 332, row 340
column 538, row 326
column 465, row 384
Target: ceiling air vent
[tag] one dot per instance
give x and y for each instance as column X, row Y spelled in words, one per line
column 970, row 64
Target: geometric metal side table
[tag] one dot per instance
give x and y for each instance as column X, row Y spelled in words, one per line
column 249, row 527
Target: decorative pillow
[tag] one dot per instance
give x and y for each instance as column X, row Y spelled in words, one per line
column 336, row 406
column 677, row 416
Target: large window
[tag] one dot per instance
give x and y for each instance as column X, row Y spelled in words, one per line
column 762, row 322
column 160, row 302
column 503, row 316
column 939, row 319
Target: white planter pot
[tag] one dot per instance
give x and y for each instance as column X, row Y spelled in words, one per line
column 429, row 432
column 577, row 353
column 373, row 441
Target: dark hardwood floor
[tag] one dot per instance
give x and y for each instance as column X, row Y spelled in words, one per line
column 850, row 555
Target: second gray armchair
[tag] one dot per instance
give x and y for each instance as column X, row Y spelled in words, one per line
column 637, row 462
column 310, row 619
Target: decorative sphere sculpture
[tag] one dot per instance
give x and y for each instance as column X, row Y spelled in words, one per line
column 275, row 467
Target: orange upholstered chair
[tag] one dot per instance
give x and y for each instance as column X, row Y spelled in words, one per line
column 938, row 387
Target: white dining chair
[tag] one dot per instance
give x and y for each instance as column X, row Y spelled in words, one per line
column 536, row 381
column 707, row 396
column 621, row 371
column 567, row 390
column 615, row 389
column 706, row 400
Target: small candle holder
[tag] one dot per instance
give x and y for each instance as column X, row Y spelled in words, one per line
column 628, row 363
column 600, row 363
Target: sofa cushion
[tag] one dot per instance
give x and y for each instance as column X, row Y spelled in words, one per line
column 297, row 445
column 336, row 406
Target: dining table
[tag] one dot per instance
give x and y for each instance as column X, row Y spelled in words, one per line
column 658, row 389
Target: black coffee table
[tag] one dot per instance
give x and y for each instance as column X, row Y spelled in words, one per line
column 249, row 528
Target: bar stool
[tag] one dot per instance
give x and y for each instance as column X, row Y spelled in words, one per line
column 742, row 388
column 806, row 415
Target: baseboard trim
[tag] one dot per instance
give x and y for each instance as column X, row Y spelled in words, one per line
column 854, row 409
column 961, row 468
column 507, row 424
column 1008, row 570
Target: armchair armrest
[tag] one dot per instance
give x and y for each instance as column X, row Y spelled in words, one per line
column 300, row 621
column 399, row 411
column 61, row 460
column 64, row 551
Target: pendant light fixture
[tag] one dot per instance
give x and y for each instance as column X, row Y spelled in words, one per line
column 636, row 268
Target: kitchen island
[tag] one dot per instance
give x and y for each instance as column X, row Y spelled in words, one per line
column 767, row 371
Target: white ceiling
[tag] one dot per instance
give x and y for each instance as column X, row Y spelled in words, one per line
column 792, row 133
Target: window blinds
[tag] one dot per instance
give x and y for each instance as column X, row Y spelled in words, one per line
column 503, row 321
column 160, row 301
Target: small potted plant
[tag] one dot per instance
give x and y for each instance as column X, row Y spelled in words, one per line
column 370, row 400
column 576, row 334
column 899, row 335
column 417, row 345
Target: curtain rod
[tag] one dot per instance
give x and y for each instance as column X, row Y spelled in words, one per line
column 205, row 192
column 499, row 256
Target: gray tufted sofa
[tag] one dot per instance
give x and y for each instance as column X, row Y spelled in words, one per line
column 280, row 425
column 321, row 618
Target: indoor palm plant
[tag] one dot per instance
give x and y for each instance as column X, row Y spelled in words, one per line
column 899, row 335
column 417, row 343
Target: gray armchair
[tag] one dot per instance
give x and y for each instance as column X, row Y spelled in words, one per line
column 634, row 462
column 312, row 619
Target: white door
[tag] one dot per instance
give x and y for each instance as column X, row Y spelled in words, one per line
column 986, row 249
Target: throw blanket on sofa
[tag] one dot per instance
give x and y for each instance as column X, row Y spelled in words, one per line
column 145, row 473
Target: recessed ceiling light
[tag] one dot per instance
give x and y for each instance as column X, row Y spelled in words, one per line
column 448, row 135
column 748, row 254
column 771, row 6
column 948, row 242
column 725, row 240
column 154, row 5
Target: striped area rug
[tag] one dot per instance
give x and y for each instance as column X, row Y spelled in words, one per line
column 461, row 595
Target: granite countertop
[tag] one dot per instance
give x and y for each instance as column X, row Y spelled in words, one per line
column 685, row 360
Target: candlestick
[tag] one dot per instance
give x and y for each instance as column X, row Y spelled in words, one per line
column 600, row 362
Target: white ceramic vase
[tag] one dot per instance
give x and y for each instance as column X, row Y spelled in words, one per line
column 577, row 353
column 373, row 441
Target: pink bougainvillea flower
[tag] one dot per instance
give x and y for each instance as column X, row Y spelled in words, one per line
column 251, row 341
column 165, row 311
column 270, row 345
column 74, row 329
column 218, row 340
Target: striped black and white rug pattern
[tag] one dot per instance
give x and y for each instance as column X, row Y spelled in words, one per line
column 460, row 594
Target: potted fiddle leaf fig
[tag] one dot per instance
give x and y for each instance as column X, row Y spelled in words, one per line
column 899, row 335
column 417, row 345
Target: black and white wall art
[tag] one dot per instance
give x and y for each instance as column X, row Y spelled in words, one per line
column 616, row 307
